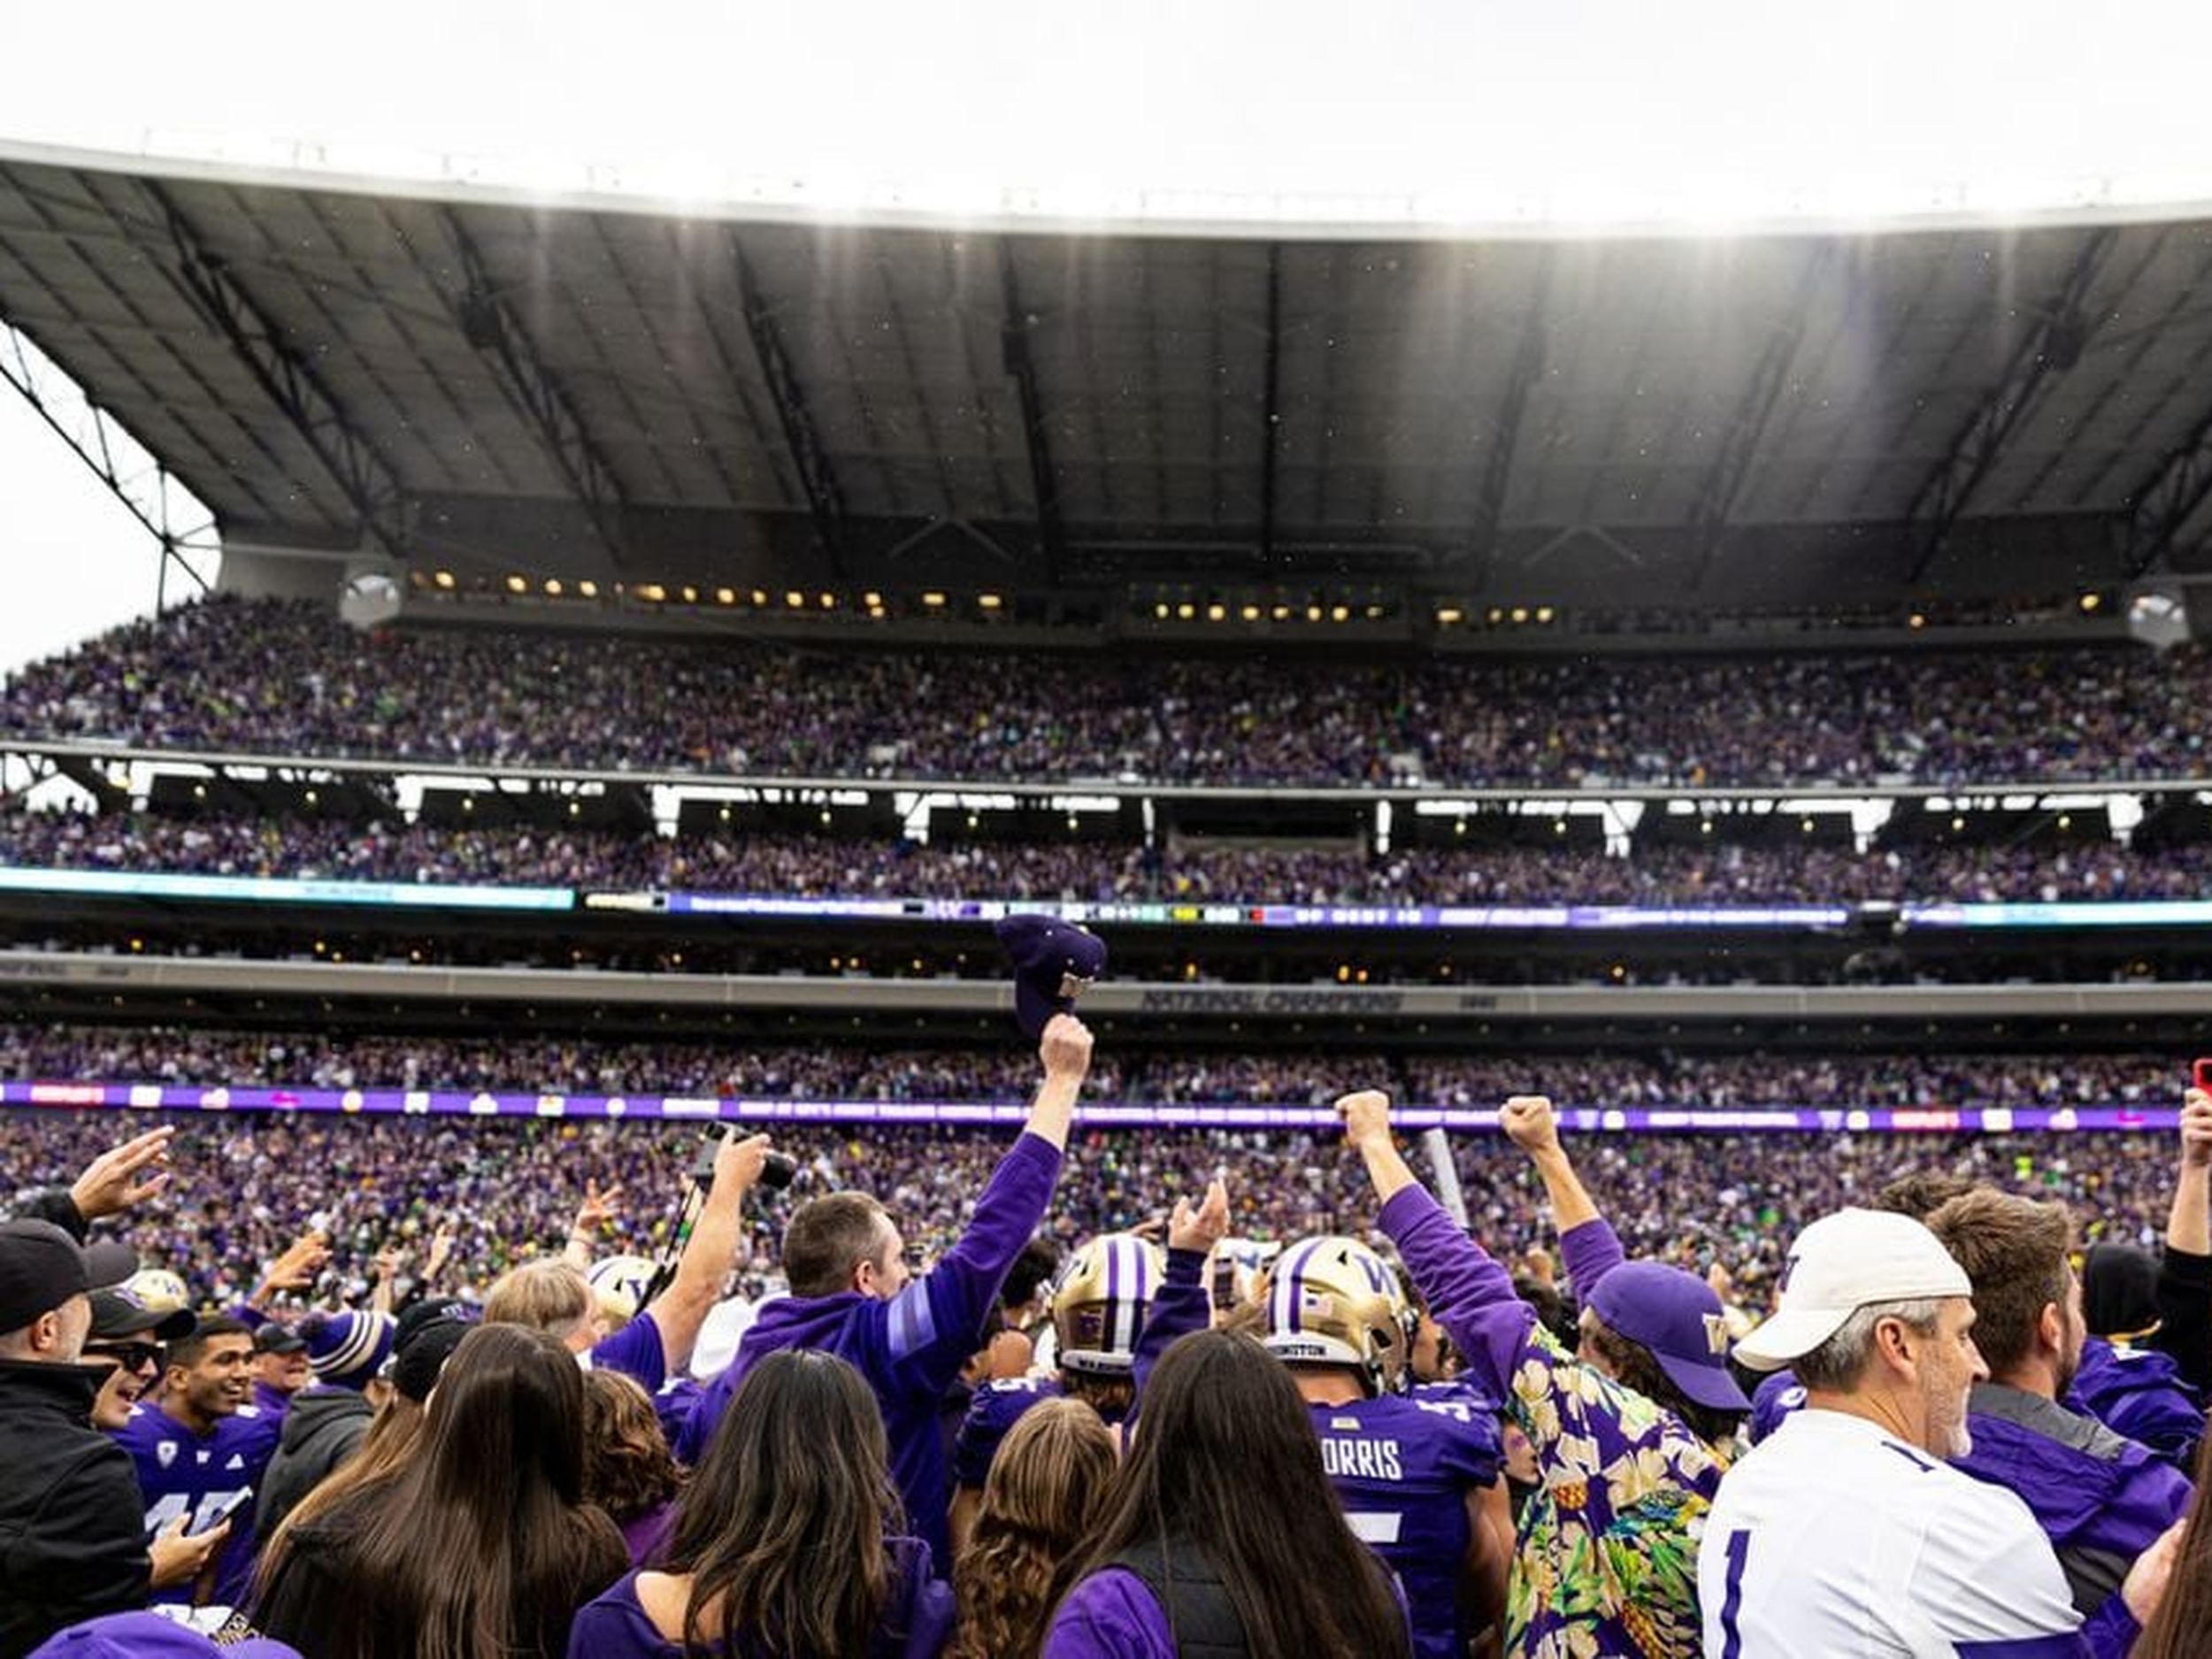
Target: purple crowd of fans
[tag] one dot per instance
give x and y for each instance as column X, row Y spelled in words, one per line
column 258, row 1180
column 734, row 1068
column 268, row 676
column 1192, row 870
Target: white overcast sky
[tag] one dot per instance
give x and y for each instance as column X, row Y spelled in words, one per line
column 1612, row 100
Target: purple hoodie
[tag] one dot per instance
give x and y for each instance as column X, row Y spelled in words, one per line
column 911, row 1346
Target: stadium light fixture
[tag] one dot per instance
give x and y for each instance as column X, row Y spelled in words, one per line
column 874, row 600
column 1520, row 615
column 2090, row 600
column 1282, row 613
column 828, row 601
column 1185, row 611
column 587, row 589
column 1160, row 610
column 444, row 578
column 1250, row 613
column 989, row 601
column 517, row 585
column 1544, row 614
column 1217, row 614
column 1916, row 621
column 760, row 598
column 1450, row 616
column 725, row 596
column 691, row 596
column 553, row 589
column 1340, row 613
column 794, row 600
column 652, row 592
column 934, row 602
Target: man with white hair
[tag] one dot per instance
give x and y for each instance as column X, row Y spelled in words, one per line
column 1846, row 1532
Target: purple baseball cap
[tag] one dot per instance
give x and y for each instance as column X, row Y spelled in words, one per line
column 1053, row 962
column 150, row 1636
column 1677, row 1318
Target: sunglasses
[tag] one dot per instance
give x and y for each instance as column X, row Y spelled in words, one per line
column 129, row 1356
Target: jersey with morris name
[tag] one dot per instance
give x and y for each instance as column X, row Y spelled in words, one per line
column 1402, row 1466
column 183, row 1473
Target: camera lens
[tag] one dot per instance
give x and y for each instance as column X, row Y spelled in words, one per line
column 777, row 1169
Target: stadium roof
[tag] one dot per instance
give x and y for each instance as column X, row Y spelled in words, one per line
column 480, row 382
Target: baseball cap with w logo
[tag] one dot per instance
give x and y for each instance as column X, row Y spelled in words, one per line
column 1679, row 1319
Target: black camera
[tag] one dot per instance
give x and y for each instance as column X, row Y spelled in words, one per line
column 777, row 1169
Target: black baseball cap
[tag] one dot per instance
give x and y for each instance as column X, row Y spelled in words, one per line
column 117, row 1313
column 277, row 1337
column 42, row 1267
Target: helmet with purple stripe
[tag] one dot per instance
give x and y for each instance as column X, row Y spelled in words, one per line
column 1099, row 1307
column 1334, row 1301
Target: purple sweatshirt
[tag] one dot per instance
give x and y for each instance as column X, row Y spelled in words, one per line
column 916, row 1624
column 1110, row 1615
column 911, row 1346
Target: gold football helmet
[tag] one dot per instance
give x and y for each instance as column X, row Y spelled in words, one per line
column 620, row 1282
column 1099, row 1307
column 157, row 1290
column 1334, row 1301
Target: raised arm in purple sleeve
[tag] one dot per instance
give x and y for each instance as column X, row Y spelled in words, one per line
column 1467, row 1293
column 1179, row 1307
column 937, row 1321
column 1593, row 1250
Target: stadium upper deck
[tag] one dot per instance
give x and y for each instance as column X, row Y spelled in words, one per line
column 1088, row 430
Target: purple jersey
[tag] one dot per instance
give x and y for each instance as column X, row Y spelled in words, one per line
column 1402, row 1467
column 636, row 1350
column 182, row 1473
column 993, row 1412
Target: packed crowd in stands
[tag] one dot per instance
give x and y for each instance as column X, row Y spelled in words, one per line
column 518, row 1063
column 1191, row 870
column 510, row 1187
column 231, row 674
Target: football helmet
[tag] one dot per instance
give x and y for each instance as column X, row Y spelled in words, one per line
column 1236, row 1273
column 157, row 1290
column 620, row 1282
column 1334, row 1301
column 1100, row 1304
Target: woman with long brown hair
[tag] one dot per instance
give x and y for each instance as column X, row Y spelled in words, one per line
column 628, row 1469
column 1222, row 1532
column 785, row 1541
column 1047, row 1484
column 478, row 1542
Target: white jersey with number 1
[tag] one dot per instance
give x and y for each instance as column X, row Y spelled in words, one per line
column 1834, row 1539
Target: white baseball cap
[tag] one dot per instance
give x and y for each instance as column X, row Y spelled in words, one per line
column 1843, row 1263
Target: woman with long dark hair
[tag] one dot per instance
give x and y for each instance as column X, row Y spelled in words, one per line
column 1046, row 1486
column 1222, row 1532
column 479, row 1542
column 785, row 1541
